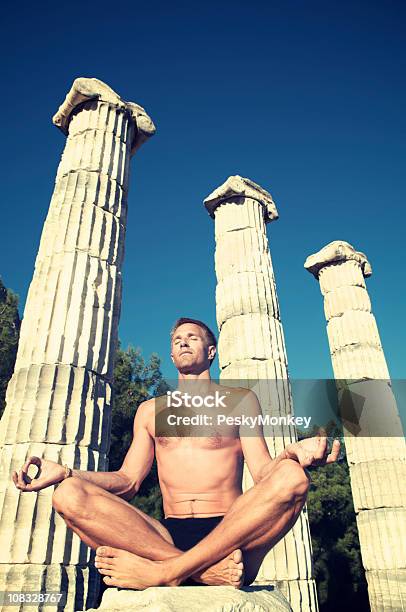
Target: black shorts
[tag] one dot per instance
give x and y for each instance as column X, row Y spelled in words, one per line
column 187, row 532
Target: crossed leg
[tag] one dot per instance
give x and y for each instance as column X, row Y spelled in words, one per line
column 101, row 518
column 255, row 522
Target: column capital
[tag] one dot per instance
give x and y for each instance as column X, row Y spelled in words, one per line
column 84, row 89
column 240, row 187
column 336, row 251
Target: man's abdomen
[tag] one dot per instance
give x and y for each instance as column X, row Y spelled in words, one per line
column 197, row 481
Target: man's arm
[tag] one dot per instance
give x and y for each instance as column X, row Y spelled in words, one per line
column 254, row 447
column 137, row 463
column 124, row 482
column 311, row 451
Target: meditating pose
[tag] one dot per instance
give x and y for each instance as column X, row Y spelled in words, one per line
column 212, row 533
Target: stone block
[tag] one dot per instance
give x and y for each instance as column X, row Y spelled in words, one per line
column 354, row 327
column 382, row 536
column 254, row 336
column 379, row 484
column 346, row 298
column 30, row 530
column 341, row 274
column 245, row 293
column 198, row 599
column 59, row 404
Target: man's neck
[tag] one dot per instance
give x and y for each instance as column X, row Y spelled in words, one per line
column 199, row 383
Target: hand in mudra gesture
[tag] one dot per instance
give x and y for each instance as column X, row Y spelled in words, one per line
column 313, row 451
column 49, row 473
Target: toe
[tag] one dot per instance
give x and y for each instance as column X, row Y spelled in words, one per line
column 237, row 579
column 106, row 551
column 112, row 581
column 105, row 571
column 237, row 556
column 236, row 574
column 103, row 564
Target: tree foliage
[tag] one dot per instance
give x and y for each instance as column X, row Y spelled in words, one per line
column 134, row 382
column 9, row 335
column 338, row 570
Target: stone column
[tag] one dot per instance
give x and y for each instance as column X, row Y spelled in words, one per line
column 252, row 351
column 59, row 398
column 374, row 440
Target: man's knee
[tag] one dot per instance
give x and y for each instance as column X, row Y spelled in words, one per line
column 290, row 479
column 71, row 498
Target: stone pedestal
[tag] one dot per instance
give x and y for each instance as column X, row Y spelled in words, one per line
column 198, row 599
column 59, row 398
column 252, row 352
column 376, row 445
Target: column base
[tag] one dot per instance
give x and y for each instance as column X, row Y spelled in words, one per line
column 79, row 583
column 301, row 594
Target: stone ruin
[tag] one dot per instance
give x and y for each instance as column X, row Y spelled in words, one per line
column 59, row 398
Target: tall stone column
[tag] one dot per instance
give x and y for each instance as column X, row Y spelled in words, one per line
column 252, row 351
column 59, row 398
column 374, row 441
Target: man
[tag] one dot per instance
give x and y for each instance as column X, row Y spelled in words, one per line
column 213, row 533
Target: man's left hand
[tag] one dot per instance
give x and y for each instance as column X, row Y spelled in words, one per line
column 313, row 451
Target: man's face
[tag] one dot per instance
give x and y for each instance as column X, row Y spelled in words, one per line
column 190, row 350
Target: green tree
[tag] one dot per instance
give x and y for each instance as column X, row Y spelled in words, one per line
column 338, row 569
column 9, row 335
column 134, row 382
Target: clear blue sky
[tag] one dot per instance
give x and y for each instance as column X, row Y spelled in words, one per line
column 307, row 98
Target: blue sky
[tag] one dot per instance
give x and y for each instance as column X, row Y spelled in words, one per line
column 306, row 98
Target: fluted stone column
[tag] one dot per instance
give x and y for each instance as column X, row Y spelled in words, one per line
column 252, row 351
column 375, row 445
column 59, row 398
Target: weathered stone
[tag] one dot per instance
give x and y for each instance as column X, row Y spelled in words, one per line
column 351, row 328
column 252, row 352
column 53, row 388
column 236, row 187
column 387, row 589
column 30, row 530
column 74, row 306
column 59, row 398
column 85, row 89
column 251, row 336
column 80, row 583
column 334, row 253
column 198, row 599
column 346, row 298
column 375, row 447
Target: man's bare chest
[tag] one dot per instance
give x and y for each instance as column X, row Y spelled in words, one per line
column 212, row 442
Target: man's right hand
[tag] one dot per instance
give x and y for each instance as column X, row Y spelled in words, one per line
column 49, row 473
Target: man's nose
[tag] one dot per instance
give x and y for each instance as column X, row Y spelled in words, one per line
column 184, row 342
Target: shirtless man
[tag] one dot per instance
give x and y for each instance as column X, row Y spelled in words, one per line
column 213, row 533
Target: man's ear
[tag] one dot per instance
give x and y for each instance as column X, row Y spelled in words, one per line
column 173, row 361
column 211, row 353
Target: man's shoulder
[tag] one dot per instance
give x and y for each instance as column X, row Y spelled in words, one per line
column 151, row 406
column 238, row 393
column 238, row 400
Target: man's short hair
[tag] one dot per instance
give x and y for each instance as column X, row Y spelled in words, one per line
column 211, row 338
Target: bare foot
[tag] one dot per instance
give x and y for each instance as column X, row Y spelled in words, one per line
column 128, row 570
column 228, row 571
